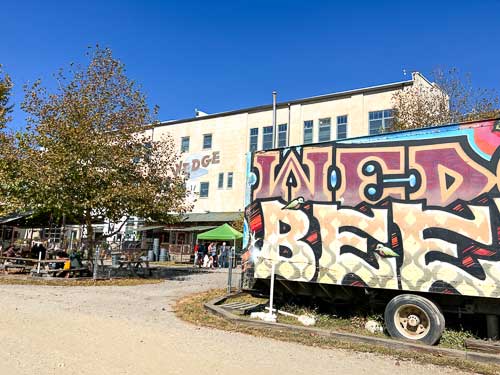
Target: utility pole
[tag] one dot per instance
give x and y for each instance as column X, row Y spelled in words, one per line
column 275, row 133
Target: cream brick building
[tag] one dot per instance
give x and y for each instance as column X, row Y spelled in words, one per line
column 214, row 147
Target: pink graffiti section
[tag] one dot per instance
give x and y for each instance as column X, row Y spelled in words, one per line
column 440, row 170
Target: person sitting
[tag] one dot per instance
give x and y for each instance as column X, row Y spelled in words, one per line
column 10, row 252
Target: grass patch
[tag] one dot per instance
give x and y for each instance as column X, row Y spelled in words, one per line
column 191, row 309
column 248, row 298
column 453, row 338
column 348, row 324
column 6, row 280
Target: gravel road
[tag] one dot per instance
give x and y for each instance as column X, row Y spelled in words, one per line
column 132, row 330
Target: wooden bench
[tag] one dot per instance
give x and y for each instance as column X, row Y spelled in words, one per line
column 16, row 268
column 19, row 265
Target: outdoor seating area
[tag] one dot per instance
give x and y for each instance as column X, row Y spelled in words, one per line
column 138, row 267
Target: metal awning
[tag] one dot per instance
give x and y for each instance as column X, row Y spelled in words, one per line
column 191, row 229
column 149, row 227
column 14, row 217
column 222, row 217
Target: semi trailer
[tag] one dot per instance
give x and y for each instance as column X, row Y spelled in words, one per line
column 408, row 219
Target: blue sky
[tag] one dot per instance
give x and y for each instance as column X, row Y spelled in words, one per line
column 218, row 56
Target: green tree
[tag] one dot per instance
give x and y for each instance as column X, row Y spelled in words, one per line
column 239, row 222
column 5, row 109
column 87, row 151
column 8, row 155
column 451, row 98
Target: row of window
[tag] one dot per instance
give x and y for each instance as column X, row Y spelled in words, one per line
column 324, row 129
column 324, row 133
column 207, row 143
column 268, row 137
column 229, row 183
column 205, row 186
column 379, row 121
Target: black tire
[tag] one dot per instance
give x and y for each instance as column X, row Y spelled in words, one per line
column 415, row 318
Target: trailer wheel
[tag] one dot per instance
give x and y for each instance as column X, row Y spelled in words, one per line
column 413, row 317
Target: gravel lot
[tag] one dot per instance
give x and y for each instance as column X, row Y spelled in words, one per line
column 132, row 330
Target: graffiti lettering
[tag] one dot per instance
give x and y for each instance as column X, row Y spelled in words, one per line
column 284, row 231
column 294, row 177
column 448, row 173
column 418, row 211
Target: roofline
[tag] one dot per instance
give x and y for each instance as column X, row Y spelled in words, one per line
column 264, row 107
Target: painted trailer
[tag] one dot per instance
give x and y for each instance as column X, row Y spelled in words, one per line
column 409, row 219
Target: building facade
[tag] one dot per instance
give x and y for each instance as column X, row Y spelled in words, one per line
column 213, row 147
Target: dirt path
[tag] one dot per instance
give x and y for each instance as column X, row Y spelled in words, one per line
column 132, row 330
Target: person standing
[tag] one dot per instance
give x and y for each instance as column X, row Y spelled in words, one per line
column 201, row 254
column 196, row 248
column 223, row 255
column 213, row 254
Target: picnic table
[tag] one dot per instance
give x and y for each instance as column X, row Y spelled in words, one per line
column 56, row 271
column 17, row 264
column 135, row 267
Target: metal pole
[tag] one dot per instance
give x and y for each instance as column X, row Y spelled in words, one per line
column 39, row 261
column 95, row 261
column 230, row 271
column 274, row 258
column 271, row 292
column 289, row 125
column 275, row 133
column 71, row 241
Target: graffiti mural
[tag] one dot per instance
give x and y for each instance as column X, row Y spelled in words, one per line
column 416, row 210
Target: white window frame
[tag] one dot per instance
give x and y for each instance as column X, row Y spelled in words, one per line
column 320, row 126
column 205, row 136
column 208, row 189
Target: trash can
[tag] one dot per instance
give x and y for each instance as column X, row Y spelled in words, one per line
column 115, row 259
column 151, row 255
column 156, row 248
column 163, row 254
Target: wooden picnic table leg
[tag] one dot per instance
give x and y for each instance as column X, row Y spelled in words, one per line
column 147, row 268
column 132, row 269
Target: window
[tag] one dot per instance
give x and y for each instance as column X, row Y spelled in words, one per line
column 267, row 137
column 203, row 189
column 341, row 127
column 229, row 180
column 308, row 131
column 254, row 138
column 282, row 135
column 380, row 121
column 220, row 183
column 184, row 144
column 324, row 129
column 207, row 141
